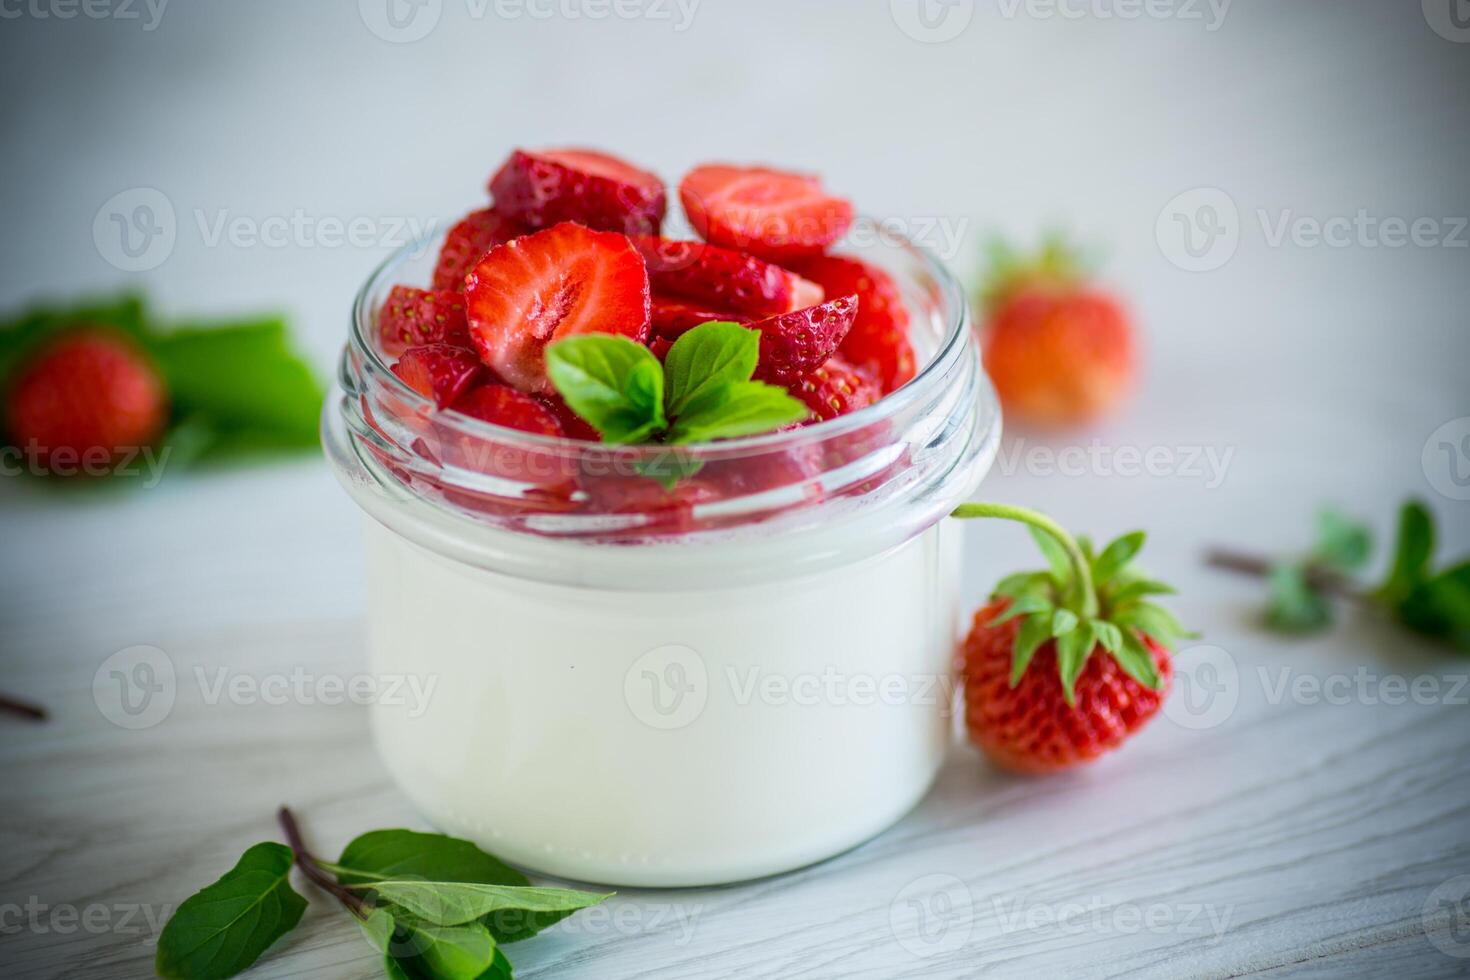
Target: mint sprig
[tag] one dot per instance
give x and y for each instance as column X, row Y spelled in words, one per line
column 437, row 907
column 1304, row 592
column 702, row 391
column 1082, row 602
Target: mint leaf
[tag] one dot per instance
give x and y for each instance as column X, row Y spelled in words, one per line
column 1440, row 607
column 224, row 928
column 740, row 408
column 668, row 467
column 707, row 358
column 454, row 903
column 1411, row 554
column 614, row 383
column 243, row 382
column 388, row 854
column 1342, row 544
column 1294, row 606
column 417, row 949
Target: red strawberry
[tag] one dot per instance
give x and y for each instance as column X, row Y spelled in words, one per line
column 723, row 279
column 666, row 511
column 573, row 425
column 439, row 371
column 413, row 317
column 795, row 344
column 467, row 242
column 834, row 389
column 671, row 318
column 547, row 187
column 879, row 339
column 83, row 399
column 502, row 405
column 1059, row 352
column 540, row 288
column 770, row 213
column 1065, row 664
column 660, row 347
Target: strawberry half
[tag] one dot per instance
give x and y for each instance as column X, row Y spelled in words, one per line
column 503, row 405
column 439, row 371
column 670, row 317
column 834, row 389
column 546, row 187
column 794, row 344
column 724, row 279
column 879, row 339
column 573, row 425
column 467, row 242
column 413, row 317
column 770, row 213
column 537, row 289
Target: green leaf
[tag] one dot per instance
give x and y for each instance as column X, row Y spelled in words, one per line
column 1137, row 589
column 453, row 903
column 707, row 358
column 1155, row 621
column 1294, row 606
column 22, row 334
column 1440, row 607
column 1136, row 660
column 1116, row 556
column 424, row 951
column 1056, row 556
column 1413, row 547
column 224, row 928
column 668, row 467
column 1063, row 621
column 393, row 854
column 243, row 379
column 1073, row 648
column 1025, row 583
column 1343, row 544
column 1035, row 630
column 741, row 408
column 1024, row 606
column 1109, row 635
column 614, row 383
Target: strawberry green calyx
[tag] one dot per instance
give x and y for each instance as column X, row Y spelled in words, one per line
column 1058, row 264
column 1081, row 601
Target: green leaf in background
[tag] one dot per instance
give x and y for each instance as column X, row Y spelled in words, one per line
column 1117, row 555
column 1294, row 606
column 224, row 928
column 708, row 357
column 24, row 333
column 1440, row 607
column 398, row 854
column 454, row 903
column 242, row 382
column 1343, row 545
column 740, row 408
column 613, row 383
column 1413, row 549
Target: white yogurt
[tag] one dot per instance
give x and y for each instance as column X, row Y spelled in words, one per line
column 659, row 737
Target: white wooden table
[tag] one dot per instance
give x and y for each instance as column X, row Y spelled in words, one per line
column 1300, row 823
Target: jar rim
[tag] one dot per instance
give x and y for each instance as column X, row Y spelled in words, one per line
column 929, row 375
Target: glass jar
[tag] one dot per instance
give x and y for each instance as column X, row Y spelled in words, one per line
column 637, row 686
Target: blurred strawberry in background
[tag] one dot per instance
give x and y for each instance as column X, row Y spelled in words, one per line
column 1059, row 350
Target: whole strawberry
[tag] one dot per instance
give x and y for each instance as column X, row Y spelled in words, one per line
column 1059, row 351
column 84, row 399
column 1066, row 663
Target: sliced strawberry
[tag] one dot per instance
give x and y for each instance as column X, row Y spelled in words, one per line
column 467, row 242
column 503, row 405
column 773, row 214
column 546, row 187
column 540, row 288
column 671, row 317
column 834, row 389
column 794, row 344
column 721, row 278
column 660, row 347
column 667, row 511
column 414, row 317
column 439, row 371
column 879, row 339
column 573, row 425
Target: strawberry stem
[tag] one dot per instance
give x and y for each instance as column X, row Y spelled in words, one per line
column 1085, row 605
